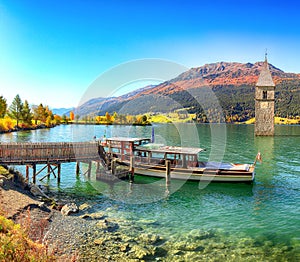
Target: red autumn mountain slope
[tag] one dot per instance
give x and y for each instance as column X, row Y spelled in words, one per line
column 221, row 73
column 232, row 82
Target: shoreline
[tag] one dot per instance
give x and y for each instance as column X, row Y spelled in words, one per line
column 96, row 234
column 82, row 236
column 26, row 129
column 19, row 205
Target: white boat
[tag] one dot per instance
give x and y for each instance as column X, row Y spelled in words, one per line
column 150, row 159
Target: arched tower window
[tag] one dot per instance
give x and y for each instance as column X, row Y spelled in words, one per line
column 265, row 95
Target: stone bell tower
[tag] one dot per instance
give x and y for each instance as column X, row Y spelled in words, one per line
column 264, row 102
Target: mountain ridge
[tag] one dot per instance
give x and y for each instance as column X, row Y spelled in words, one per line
column 226, row 79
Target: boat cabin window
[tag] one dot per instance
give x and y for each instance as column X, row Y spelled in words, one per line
column 173, row 156
column 157, row 155
column 191, row 158
column 141, row 153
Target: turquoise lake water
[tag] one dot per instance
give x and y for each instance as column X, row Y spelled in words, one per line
column 266, row 213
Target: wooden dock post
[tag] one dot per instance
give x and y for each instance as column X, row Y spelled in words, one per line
column 168, row 171
column 131, row 169
column 27, row 173
column 48, row 171
column 33, row 173
column 77, row 168
column 58, row 172
column 90, row 168
column 98, row 167
column 113, row 167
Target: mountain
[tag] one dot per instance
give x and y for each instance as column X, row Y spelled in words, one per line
column 101, row 105
column 61, row 111
column 233, row 86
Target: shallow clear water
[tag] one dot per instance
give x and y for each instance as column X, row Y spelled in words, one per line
column 267, row 210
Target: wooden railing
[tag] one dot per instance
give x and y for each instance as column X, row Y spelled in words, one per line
column 49, row 152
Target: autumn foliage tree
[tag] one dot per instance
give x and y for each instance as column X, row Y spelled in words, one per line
column 39, row 113
column 108, row 117
column 24, row 113
column 72, row 117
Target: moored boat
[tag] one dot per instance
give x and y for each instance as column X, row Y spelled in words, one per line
column 151, row 160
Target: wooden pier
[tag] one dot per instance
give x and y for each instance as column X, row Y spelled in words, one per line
column 51, row 155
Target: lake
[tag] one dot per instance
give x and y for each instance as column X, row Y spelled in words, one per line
column 229, row 221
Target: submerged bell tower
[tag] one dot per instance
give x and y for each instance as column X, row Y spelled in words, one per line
column 264, row 102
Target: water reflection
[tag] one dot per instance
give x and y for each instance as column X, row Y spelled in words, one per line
column 271, row 202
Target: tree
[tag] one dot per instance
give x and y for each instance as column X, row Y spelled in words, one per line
column 48, row 112
column 48, row 121
column 15, row 109
column 40, row 113
column 72, row 116
column 26, row 113
column 144, row 119
column 3, row 106
column 108, row 117
column 64, row 118
column 114, row 118
column 77, row 118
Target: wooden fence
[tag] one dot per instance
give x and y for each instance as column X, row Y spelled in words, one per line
column 49, row 152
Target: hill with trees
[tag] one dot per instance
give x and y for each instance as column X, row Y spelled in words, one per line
column 233, row 85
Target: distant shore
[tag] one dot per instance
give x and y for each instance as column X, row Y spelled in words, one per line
column 108, row 124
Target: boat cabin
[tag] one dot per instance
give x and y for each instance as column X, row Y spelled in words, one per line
column 158, row 154
column 123, row 147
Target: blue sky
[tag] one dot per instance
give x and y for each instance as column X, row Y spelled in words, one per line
column 51, row 51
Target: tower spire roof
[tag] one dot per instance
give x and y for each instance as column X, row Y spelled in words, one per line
column 265, row 77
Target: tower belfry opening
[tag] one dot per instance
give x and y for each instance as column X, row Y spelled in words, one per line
column 264, row 102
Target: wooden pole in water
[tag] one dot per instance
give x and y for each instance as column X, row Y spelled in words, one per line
column 49, row 171
column 58, row 172
column 90, row 168
column 113, row 166
column 77, row 168
column 131, row 169
column 27, row 173
column 33, row 173
column 98, row 167
column 168, row 171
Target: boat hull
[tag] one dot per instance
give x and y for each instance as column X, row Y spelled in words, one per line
column 197, row 174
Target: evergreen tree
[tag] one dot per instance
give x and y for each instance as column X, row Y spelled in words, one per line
column 26, row 113
column 15, row 109
column 3, row 106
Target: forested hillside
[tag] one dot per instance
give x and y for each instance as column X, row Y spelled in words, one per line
column 233, row 85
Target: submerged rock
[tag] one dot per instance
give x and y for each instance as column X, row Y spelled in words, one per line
column 150, row 238
column 107, row 225
column 84, row 207
column 94, row 216
column 69, row 208
column 141, row 252
column 197, row 234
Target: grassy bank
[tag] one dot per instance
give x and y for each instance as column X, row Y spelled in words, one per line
column 15, row 245
column 278, row 121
